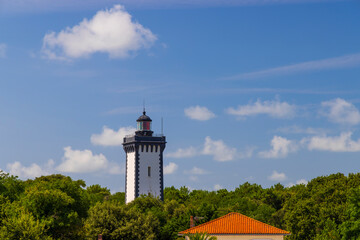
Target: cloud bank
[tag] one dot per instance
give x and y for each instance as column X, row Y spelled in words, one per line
column 199, row 113
column 215, row 148
column 170, row 168
column 342, row 143
column 219, row 150
column 109, row 137
column 341, row 111
column 110, row 31
column 32, row 171
column 82, row 161
column 275, row 109
column 276, row 176
column 281, row 147
column 73, row 161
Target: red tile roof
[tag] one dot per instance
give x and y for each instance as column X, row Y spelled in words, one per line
column 235, row 223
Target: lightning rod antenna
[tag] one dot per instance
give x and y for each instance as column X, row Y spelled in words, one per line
column 144, row 106
column 162, row 126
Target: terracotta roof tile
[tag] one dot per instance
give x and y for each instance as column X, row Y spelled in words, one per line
column 235, row 223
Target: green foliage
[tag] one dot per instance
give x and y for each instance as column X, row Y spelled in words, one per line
column 18, row 223
column 180, row 195
column 57, row 207
column 115, row 221
column 59, row 202
column 350, row 229
column 118, row 197
column 309, row 209
column 330, row 231
column 10, row 187
column 97, row 194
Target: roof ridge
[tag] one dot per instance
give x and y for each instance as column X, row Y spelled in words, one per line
column 238, row 214
column 206, row 223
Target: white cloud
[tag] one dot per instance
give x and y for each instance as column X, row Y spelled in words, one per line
column 276, row 176
column 219, row 150
column 74, row 161
column 218, row 187
column 183, row 153
column 216, row 148
column 32, row 171
column 82, row 161
column 170, row 168
column 109, row 137
column 109, row 31
column 274, row 109
column 281, row 147
column 301, row 181
column 3, row 48
column 342, row 143
column 329, row 63
column 196, row 171
column 341, row 111
column 199, row 113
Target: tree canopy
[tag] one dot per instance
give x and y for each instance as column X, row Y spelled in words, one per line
column 58, row 207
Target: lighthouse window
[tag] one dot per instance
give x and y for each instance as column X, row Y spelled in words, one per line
column 144, row 126
column 149, row 171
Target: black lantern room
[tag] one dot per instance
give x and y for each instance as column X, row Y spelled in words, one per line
column 144, row 125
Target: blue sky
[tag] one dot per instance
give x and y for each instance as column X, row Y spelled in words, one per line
column 264, row 92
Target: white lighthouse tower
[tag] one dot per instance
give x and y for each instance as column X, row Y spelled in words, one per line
column 144, row 161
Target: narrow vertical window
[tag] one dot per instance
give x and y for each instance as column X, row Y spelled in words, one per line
column 149, row 171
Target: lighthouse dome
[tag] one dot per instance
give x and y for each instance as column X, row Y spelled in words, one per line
column 143, row 118
column 144, row 125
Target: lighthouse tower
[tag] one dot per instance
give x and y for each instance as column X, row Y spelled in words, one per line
column 144, row 161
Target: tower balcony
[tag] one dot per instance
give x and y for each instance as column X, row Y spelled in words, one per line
column 136, row 138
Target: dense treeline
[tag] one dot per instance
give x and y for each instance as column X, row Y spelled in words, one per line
column 57, row 207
